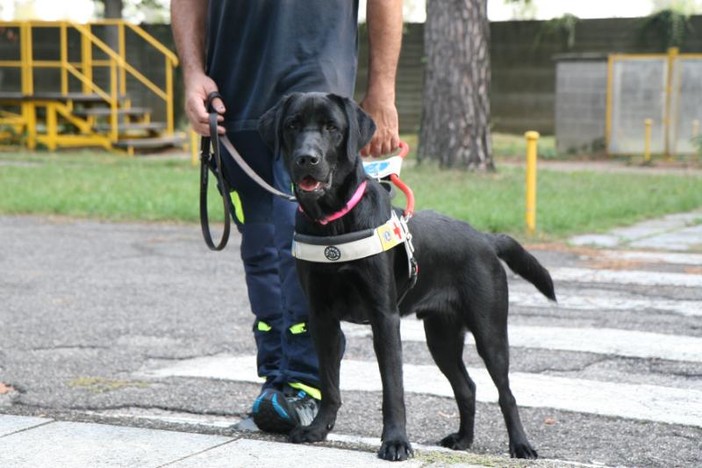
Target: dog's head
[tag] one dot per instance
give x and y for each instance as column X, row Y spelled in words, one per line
column 319, row 136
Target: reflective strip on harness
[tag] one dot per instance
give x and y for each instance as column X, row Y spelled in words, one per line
column 336, row 249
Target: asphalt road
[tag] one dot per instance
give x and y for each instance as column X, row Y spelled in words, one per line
column 96, row 319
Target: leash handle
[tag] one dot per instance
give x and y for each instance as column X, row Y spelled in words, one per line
column 209, row 150
column 409, row 195
column 395, row 179
column 404, row 149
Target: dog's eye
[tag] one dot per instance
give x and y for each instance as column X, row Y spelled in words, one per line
column 291, row 124
column 330, row 127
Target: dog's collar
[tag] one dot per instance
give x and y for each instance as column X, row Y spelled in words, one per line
column 355, row 198
column 353, row 246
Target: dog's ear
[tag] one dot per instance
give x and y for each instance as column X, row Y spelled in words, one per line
column 269, row 125
column 361, row 125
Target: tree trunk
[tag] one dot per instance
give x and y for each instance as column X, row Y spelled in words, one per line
column 456, row 107
column 113, row 8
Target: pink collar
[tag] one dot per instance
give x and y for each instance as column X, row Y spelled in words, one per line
column 358, row 194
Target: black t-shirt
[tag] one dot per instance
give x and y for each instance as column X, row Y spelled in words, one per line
column 260, row 50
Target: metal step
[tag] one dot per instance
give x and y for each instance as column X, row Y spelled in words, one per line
column 11, row 96
column 123, row 128
column 150, row 143
column 75, row 97
column 50, row 96
column 105, row 112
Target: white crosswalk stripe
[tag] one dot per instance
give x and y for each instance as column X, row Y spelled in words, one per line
column 585, row 290
column 650, row 402
column 627, row 343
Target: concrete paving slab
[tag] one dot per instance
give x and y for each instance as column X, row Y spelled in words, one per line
column 10, row 424
column 597, row 240
column 71, row 444
column 680, row 240
column 263, row 454
column 676, row 232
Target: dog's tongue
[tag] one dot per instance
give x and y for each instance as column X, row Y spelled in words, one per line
column 309, row 184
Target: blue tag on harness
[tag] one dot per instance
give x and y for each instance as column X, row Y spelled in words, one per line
column 383, row 168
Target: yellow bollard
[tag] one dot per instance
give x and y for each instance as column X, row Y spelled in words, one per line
column 532, row 139
column 647, row 139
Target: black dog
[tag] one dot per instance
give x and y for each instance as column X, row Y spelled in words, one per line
column 461, row 285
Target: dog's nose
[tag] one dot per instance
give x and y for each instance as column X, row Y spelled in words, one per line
column 306, row 160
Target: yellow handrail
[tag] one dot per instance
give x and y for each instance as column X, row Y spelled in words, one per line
column 82, row 68
column 121, row 62
column 171, row 61
column 172, row 57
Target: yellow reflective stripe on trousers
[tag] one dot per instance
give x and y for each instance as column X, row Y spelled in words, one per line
column 263, row 327
column 238, row 208
column 298, row 328
column 311, row 391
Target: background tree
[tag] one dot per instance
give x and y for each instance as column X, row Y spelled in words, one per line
column 138, row 11
column 455, row 124
column 455, row 128
column 112, row 8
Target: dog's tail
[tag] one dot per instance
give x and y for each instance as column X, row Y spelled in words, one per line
column 524, row 264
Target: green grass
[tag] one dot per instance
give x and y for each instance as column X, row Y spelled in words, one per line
column 99, row 185
column 567, row 202
column 103, row 186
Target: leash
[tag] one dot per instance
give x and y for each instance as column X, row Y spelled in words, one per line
column 389, row 169
column 211, row 160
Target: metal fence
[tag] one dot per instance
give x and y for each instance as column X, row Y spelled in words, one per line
column 664, row 89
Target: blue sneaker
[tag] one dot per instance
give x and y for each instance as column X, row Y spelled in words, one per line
column 280, row 412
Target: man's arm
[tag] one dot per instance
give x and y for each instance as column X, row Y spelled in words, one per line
column 384, row 18
column 188, row 19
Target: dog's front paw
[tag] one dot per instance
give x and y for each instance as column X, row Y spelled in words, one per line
column 456, row 442
column 395, row 450
column 522, row 450
column 311, row 433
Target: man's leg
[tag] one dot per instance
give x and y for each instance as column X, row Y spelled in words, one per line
column 285, row 351
column 253, row 216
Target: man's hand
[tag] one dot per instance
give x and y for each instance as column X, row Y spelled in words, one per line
column 197, row 88
column 386, row 137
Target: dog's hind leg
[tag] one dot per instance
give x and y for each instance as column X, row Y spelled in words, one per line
column 445, row 340
column 493, row 347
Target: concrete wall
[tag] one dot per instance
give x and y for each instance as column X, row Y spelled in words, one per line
column 523, row 94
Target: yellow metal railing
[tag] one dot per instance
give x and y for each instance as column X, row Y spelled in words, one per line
column 115, row 60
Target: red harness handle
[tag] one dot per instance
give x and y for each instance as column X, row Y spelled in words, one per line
column 409, row 195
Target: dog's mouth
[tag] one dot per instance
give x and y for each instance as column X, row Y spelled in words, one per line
column 312, row 185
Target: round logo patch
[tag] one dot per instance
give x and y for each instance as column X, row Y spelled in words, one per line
column 332, row 253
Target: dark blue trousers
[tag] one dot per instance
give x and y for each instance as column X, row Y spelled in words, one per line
column 285, row 350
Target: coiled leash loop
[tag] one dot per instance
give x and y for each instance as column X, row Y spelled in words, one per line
column 211, row 160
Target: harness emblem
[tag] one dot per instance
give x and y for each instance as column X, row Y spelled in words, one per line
column 332, row 253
